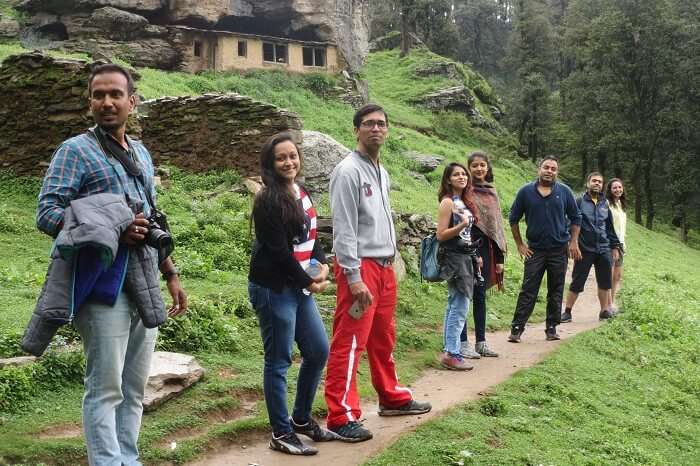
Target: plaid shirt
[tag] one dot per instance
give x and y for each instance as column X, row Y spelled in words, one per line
column 79, row 168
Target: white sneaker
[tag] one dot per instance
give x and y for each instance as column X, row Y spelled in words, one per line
column 467, row 351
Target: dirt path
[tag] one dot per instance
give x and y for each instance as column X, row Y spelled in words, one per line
column 442, row 388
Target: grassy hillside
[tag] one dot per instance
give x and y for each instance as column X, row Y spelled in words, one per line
column 211, row 226
column 210, row 223
column 627, row 393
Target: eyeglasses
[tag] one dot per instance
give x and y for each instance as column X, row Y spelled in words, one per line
column 369, row 124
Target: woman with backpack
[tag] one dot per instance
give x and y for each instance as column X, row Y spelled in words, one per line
column 288, row 265
column 457, row 215
column 489, row 234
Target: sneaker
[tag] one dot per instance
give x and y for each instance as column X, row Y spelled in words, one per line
column 514, row 336
column 613, row 310
column 312, row 430
column 454, row 363
column 290, row 444
column 551, row 334
column 483, row 349
column 565, row 317
column 605, row 315
column 467, row 352
column 412, row 407
column 352, row 432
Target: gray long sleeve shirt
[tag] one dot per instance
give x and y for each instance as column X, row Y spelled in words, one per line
column 362, row 223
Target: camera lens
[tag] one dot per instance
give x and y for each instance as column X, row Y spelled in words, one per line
column 159, row 239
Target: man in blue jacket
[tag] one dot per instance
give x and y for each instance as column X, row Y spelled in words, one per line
column 599, row 246
column 553, row 222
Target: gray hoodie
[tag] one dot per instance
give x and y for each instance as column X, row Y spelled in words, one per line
column 362, row 223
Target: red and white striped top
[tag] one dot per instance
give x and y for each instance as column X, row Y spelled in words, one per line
column 305, row 245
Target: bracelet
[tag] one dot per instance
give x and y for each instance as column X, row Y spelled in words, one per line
column 170, row 273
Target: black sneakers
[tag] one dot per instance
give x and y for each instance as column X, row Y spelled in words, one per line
column 605, row 315
column 565, row 317
column 290, row 444
column 312, row 430
column 412, row 407
column 514, row 336
column 551, row 334
column 352, row 432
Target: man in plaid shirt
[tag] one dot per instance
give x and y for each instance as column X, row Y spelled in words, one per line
column 117, row 345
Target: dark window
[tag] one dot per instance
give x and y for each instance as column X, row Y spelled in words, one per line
column 280, row 53
column 276, row 53
column 197, row 48
column 242, row 48
column 320, row 57
column 268, row 51
column 308, row 54
column 314, row 56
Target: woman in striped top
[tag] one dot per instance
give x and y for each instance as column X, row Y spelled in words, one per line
column 288, row 265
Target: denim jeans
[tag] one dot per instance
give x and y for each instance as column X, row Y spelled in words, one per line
column 118, row 349
column 455, row 317
column 284, row 318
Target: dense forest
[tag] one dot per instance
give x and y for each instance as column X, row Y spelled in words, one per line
column 607, row 85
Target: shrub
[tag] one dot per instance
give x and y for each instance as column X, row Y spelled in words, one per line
column 208, row 325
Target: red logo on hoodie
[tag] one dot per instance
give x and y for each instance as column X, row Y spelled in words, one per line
column 368, row 189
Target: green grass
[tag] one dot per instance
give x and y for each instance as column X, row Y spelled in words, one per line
column 210, row 223
column 626, row 393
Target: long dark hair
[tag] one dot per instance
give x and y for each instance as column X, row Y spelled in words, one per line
column 275, row 195
column 446, row 189
column 482, row 155
column 609, row 195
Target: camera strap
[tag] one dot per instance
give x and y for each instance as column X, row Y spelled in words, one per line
column 128, row 161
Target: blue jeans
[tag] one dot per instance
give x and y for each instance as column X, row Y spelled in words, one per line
column 455, row 317
column 118, row 350
column 284, row 318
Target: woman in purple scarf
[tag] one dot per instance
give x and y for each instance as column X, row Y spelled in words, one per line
column 493, row 247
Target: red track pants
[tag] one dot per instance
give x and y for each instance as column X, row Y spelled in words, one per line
column 376, row 331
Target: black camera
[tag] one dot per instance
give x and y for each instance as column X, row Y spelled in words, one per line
column 158, row 235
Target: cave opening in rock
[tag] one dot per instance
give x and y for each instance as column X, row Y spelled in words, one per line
column 52, row 32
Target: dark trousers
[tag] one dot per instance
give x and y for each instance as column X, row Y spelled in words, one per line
column 554, row 262
column 479, row 301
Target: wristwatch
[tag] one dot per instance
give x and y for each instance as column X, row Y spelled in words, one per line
column 170, row 273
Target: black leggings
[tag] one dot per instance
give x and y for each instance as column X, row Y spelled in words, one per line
column 479, row 301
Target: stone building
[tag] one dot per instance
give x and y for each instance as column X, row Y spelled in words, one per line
column 223, row 50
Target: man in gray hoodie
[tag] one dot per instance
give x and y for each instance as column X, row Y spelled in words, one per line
column 364, row 241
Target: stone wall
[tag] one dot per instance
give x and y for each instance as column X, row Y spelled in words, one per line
column 45, row 101
column 212, row 131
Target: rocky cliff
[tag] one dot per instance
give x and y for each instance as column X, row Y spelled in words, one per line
column 137, row 29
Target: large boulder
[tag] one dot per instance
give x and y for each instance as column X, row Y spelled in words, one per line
column 9, row 28
column 321, row 154
column 212, row 131
column 170, row 374
column 456, row 98
column 107, row 32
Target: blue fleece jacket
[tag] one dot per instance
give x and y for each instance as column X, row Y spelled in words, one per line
column 547, row 217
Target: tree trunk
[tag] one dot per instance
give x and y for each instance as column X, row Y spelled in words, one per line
column 405, row 32
column 684, row 227
column 584, row 166
column 637, row 182
column 649, row 195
